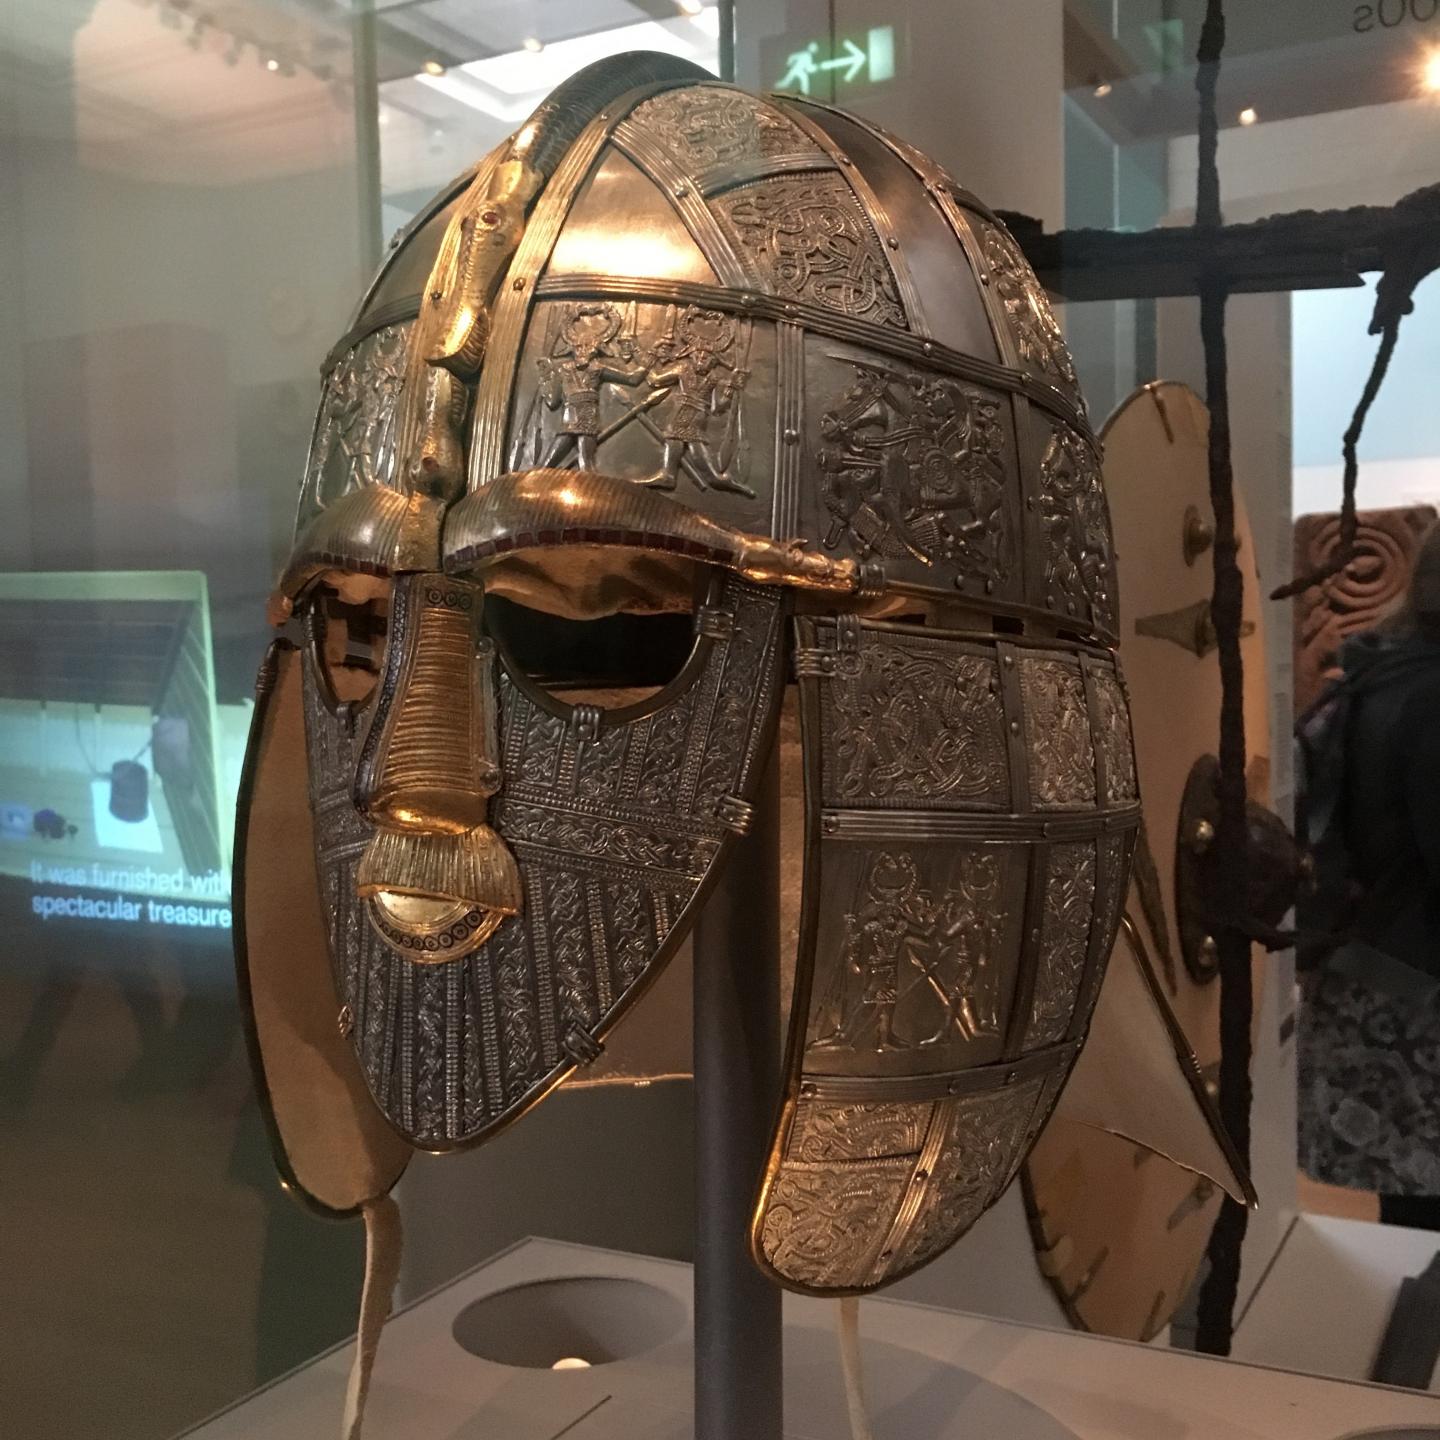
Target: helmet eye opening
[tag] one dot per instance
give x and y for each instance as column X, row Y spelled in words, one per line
column 627, row 664
column 612, row 661
column 347, row 636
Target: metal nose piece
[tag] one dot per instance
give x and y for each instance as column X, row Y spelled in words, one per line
column 430, row 760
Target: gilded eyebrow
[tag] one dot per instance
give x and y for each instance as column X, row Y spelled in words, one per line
column 375, row 531
column 349, row 589
column 545, row 508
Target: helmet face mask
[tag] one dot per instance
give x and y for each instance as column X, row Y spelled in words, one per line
column 506, row 869
column 705, row 394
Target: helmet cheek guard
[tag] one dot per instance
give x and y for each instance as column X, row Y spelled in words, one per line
column 970, row 805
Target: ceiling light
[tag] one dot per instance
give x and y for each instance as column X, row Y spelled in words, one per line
column 1430, row 72
column 570, row 1362
column 689, row 7
column 1103, row 89
column 507, row 87
column 434, row 67
column 1249, row 115
column 272, row 64
column 456, row 86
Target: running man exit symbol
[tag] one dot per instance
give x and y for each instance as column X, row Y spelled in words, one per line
column 875, row 61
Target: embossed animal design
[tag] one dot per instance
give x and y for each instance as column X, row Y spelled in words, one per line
column 1072, row 510
column 912, row 465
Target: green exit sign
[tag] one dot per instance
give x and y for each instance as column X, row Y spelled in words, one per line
column 815, row 67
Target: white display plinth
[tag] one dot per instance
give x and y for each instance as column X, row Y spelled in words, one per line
column 1327, row 1299
column 931, row 1374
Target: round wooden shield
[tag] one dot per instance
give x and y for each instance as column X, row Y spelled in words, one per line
column 1120, row 1230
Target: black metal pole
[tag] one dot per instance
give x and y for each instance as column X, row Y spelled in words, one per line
column 1215, row 1322
column 366, row 79
column 739, row 1367
column 726, row 58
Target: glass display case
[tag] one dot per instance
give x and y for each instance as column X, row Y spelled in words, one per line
column 194, row 195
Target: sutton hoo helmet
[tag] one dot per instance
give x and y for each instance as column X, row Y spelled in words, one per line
column 683, row 395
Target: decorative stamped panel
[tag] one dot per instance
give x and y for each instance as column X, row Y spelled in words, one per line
column 824, row 1224
column 702, row 126
column 915, row 969
column 534, row 738
column 827, row 1132
column 915, row 723
column 984, row 1144
column 1064, row 941
column 805, row 237
column 1038, row 337
column 657, row 393
column 1057, row 733
column 1117, row 746
column 914, row 465
column 1075, row 541
column 731, row 703
column 354, row 442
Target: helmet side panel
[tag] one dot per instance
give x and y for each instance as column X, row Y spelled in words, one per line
column 973, row 804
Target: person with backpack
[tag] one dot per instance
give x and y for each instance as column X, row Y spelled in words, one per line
column 1369, row 817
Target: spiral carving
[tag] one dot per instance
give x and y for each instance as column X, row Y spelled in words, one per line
column 1360, row 595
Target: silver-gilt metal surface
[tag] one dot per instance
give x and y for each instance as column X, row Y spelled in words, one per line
column 685, row 351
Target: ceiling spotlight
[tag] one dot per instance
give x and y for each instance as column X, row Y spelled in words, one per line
column 1430, row 72
column 434, row 67
column 272, row 64
column 1249, row 115
column 689, row 7
column 570, row 1362
column 533, row 45
column 1103, row 89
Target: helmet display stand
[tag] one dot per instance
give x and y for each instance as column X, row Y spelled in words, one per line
column 739, row 1364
